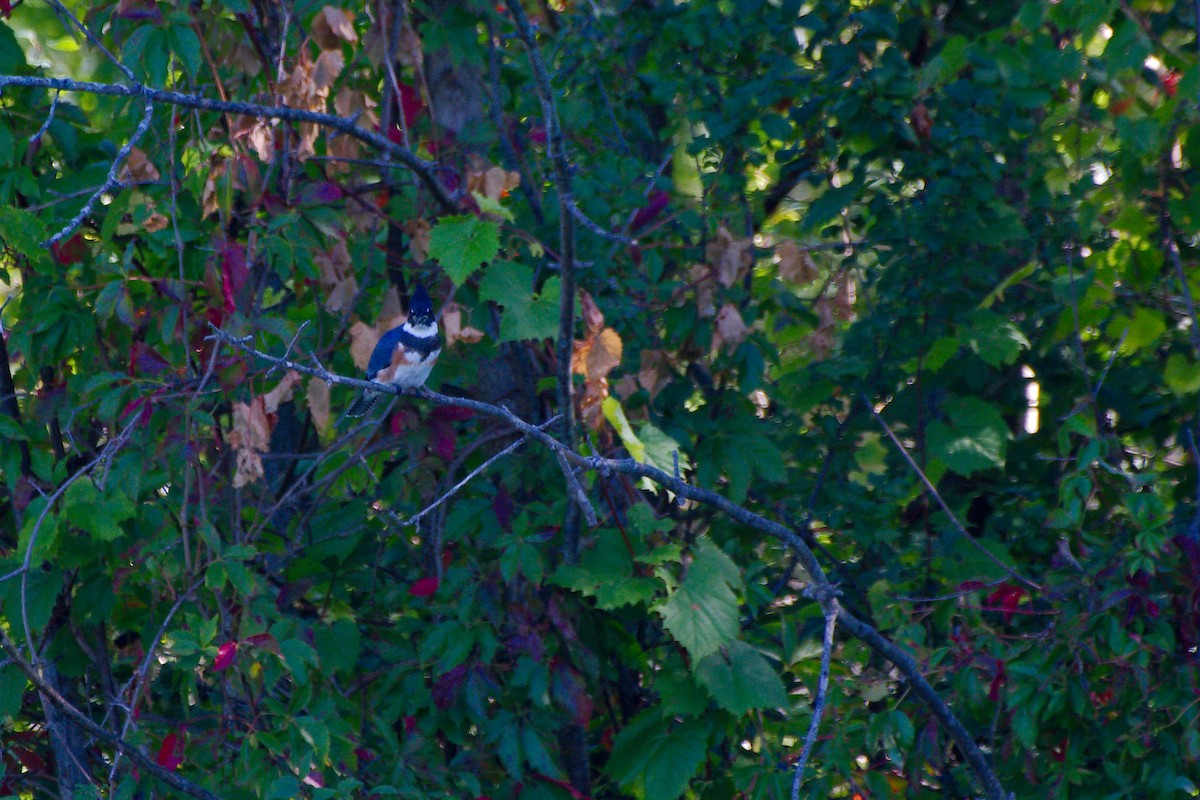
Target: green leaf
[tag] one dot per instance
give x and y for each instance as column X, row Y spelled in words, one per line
column 702, row 613
column 741, row 680
column 316, row 735
column 653, row 759
column 24, row 232
column 526, row 315
column 9, row 429
column 98, row 513
column 995, row 339
column 606, row 573
column 1182, row 375
column 974, row 437
column 186, row 46
column 611, row 407
column 12, row 689
column 536, row 754
column 462, row 244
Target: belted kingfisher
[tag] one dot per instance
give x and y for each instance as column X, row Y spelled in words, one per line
column 405, row 355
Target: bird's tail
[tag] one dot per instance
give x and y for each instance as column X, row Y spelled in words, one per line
column 363, row 404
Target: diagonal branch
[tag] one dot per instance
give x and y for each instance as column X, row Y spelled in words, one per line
column 822, row 589
column 424, row 170
column 177, row 782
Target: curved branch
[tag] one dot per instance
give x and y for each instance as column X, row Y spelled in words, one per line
column 424, row 170
column 177, row 782
column 822, row 589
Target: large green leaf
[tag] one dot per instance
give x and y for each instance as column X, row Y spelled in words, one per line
column 702, row 613
column 740, row 679
column 654, row 759
column 972, row 438
column 463, row 244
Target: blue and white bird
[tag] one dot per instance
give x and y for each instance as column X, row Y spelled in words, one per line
column 405, row 355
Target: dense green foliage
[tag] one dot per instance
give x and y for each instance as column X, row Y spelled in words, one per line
column 973, row 222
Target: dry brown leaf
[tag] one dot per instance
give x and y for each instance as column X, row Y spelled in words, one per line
column 418, row 243
column 604, row 355
column 731, row 258
column 297, row 87
column 391, row 308
column 282, row 392
column 701, row 279
column 249, row 468
column 337, row 276
column 455, row 332
column 820, row 341
column 730, row 329
column 363, row 339
column 342, row 150
column 138, row 168
column 318, row 404
column 408, row 47
column 655, row 371
column 250, row 436
column 593, row 317
column 329, row 65
column 493, row 183
column 590, row 410
column 155, row 222
column 257, row 133
column 795, row 264
column 332, row 27
column 843, row 301
column 626, row 387
column 209, row 200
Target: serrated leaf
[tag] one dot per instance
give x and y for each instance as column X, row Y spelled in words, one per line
column 660, row 760
column 463, row 244
column 606, row 572
column 702, row 613
column 741, row 680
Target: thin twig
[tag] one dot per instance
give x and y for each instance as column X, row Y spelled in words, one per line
column 822, row 589
column 426, row 171
column 831, row 608
column 112, row 181
column 415, row 518
column 135, row 753
column 942, row 503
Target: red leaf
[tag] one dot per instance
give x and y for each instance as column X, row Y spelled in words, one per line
column 649, row 212
column 411, row 103
column 453, row 413
column 225, row 654
column 503, row 507
column 1170, row 83
column 144, row 360
column 1008, row 597
column 170, row 755
column 264, row 641
column 445, row 438
column 233, row 272
column 73, row 250
column 425, row 587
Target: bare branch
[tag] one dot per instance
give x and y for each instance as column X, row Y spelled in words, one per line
column 822, row 589
column 135, row 754
column 942, row 503
column 831, row 609
column 424, row 170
